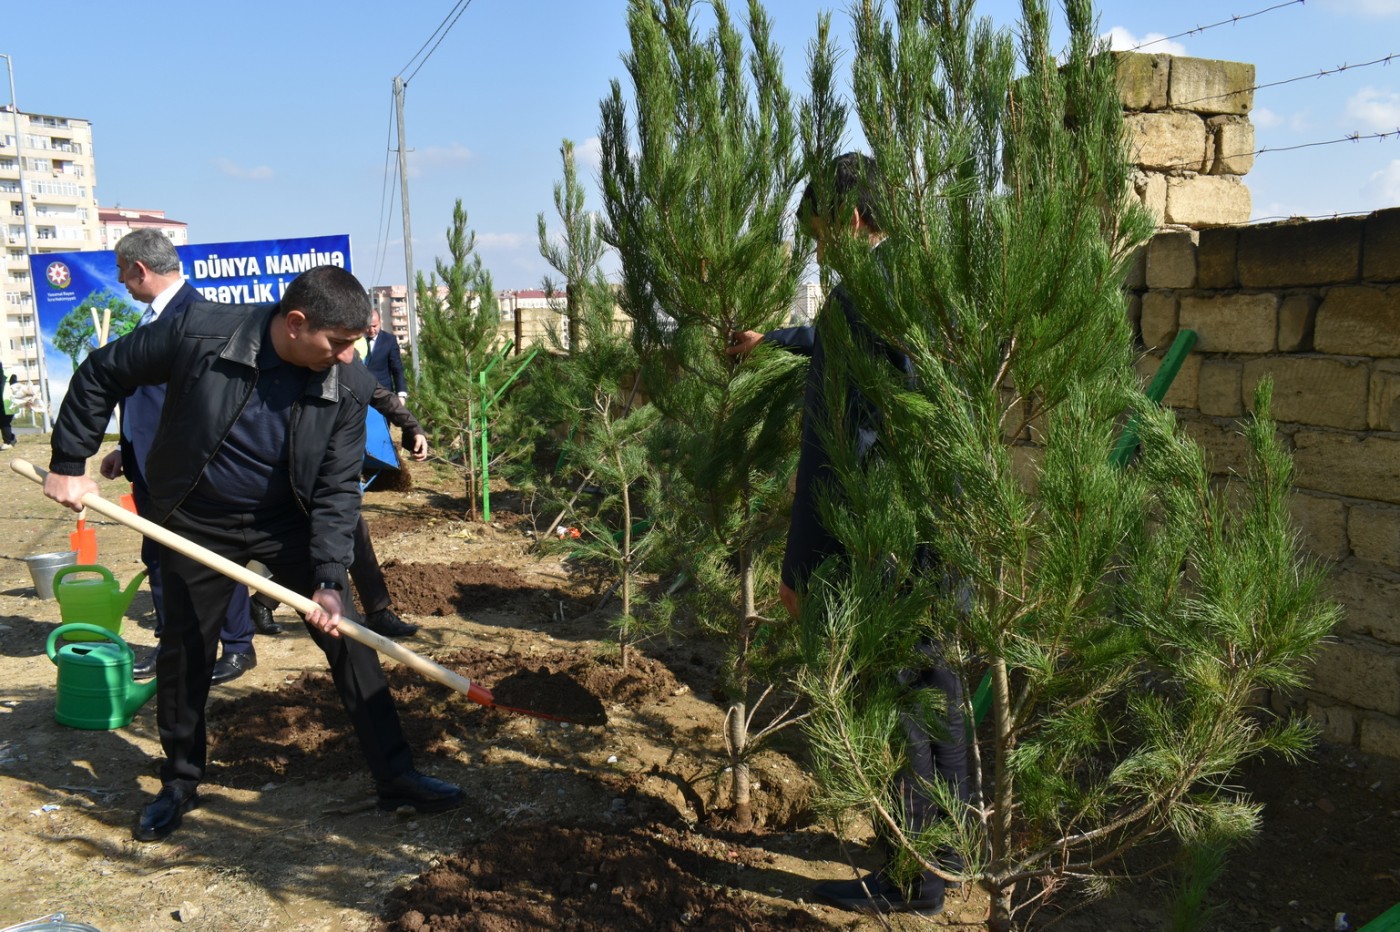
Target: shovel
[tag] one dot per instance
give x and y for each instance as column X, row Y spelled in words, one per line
column 433, row 671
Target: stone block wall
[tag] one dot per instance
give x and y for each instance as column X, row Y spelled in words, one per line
column 1314, row 305
column 1187, row 121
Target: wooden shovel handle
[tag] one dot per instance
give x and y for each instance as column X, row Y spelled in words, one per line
column 259, row 583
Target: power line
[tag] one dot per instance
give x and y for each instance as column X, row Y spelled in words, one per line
column 388, row 148
column 431, row 37
column 1224, row 22
column 1325, row 72
column 441, row 33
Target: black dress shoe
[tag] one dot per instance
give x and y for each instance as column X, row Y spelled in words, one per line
column 145, row 667
column 422, row 792
column 232, row 666
column 385, row 622
column 262, row 619
column 163, row 815
column 877, row 894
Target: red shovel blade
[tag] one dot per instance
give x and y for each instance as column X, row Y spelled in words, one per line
column 84, row 540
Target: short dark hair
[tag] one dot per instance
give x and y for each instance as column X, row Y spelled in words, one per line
column 330, row 297
column 151, row 248
column 848, row 182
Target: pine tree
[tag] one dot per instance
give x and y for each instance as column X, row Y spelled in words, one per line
column 1126, row 620
column 456, row 340
column 698, row 213
column 593, row 390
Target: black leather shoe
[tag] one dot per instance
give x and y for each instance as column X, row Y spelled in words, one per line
column 145, row 667
column 422, row 792
column 232, row 666
column 262, row 619
column 385, row 622
column 876, row 893
column 163, row 815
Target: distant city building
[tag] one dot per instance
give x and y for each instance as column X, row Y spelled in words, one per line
column 806, row 303
column 48, row 181
column 116, row 222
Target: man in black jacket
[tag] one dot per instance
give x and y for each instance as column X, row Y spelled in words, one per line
column 383, row 359
column 257, row 457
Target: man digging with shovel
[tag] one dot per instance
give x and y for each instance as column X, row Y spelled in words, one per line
column 257, row 457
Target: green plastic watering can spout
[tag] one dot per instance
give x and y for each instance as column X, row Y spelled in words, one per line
column 124, row 596
column 138, row 692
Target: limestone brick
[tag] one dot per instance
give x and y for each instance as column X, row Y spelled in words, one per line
column 1173, row 140
column 1207, row 200
column 1296, row 316
column 1312, row 390
column 1315, row 252
column 1137, row 270
column 1373, row 531
column 1337, row 724
column 1347, row 464
column 1379, row 736
column 1151, row 189
column 1381, row 260
column 1171, row 259
column 1142, row 79
column 1208, row 86
column 1383, row 405
column 1232, row 323
column 1359, row 320
column 1369, row 596
column 1322, row 523
column 1216, row 262
column 1025, row 464
column 1231, row 145
column 1182, row 392
column 1159, row 313
column 1366, row 678
column 1219, row 392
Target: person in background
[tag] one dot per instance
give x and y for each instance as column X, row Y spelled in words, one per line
column 931, row 757
column 257, row 457
column 380, row 352
column 7, row 412
column 149, row 266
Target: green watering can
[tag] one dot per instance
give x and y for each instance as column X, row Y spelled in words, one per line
column 95, row 688
column 95, row 599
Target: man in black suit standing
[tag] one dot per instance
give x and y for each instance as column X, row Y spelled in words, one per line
column 382, row 357
column 149, row 266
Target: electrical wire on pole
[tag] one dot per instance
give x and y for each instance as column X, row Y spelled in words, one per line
column 410, row 292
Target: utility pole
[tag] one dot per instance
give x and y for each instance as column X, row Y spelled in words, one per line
column 410, row 292
column 28, row 243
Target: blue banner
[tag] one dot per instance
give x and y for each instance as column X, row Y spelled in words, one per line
column 68, row 286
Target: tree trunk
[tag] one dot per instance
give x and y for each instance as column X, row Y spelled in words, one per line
column 471, row 460
column 626, row 567
column 738, row 712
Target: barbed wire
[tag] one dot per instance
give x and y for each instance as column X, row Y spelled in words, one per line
column 1224, row 22
column 1194, row 164
column 1323, row 73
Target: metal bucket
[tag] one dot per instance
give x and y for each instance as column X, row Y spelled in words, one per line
column 55, row 923
column 43, row 567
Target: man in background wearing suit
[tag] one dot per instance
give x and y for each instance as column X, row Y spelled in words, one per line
column 382, row 357
column 149, row 266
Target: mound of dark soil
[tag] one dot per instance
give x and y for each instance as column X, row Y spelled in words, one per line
column 594, row 880
column 443, row 589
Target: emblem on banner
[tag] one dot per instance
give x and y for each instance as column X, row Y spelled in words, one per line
column 58, row 275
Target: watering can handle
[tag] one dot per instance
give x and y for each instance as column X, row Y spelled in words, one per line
column 51, row 648
column 66, row 571
column 258, row 583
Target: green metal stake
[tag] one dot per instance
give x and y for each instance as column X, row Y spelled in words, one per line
column 485, row 409
column 1122, row 452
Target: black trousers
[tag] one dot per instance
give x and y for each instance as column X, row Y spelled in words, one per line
column 237, row 632
column 196, row 598
column 939, row 757
column 365, row 573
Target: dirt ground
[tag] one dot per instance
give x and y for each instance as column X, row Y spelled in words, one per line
column 600, row 825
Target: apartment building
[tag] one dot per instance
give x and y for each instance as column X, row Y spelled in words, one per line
column 48, row 191
column 116, row 222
